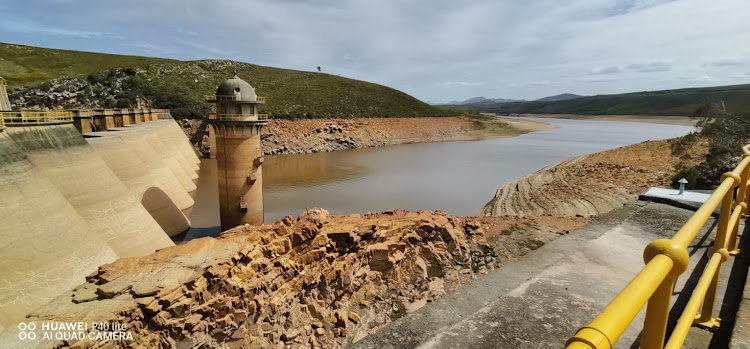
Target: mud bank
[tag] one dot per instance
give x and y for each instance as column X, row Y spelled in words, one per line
column 593, row 184
column 651, row 119
column 324, row 135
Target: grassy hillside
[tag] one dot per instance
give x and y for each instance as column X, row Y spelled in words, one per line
column 668, row 102
column 56, row 78
column 28, row 65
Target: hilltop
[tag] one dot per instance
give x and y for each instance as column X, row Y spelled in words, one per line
column 480, row 100
column 560, row 97
column 40, row 77
column 682, row 102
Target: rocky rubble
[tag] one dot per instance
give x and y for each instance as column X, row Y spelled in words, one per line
column 101, row 90
column 315, row 281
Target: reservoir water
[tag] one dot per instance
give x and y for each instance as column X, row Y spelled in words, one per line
column 455, row 177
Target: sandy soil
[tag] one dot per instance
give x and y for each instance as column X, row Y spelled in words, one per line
column 652, row 119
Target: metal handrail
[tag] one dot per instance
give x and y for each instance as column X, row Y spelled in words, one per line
column 236, row 117
column 665, row 260
column 30, row 116
column 214, row 98
column 42, row 116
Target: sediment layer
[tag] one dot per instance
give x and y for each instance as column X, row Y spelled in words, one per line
column 590, row 185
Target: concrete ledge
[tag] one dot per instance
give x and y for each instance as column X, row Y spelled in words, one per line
column 690, row 200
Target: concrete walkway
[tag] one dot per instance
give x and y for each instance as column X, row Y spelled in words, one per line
column 542, row 299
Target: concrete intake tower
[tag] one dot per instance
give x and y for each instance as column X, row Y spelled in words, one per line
column 237, row 126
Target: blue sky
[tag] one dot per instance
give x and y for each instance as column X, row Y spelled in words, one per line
column 432, row 49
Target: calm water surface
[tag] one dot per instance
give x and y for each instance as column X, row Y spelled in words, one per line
column 455, row 177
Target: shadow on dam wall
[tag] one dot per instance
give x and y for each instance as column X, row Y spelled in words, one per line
column 70, row 204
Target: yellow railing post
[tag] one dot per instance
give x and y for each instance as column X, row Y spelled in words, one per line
column 705, row 318
column 657, row 315
column 742, row 201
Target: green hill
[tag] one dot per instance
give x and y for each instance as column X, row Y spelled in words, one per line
column 41, row 77
column 668, row 102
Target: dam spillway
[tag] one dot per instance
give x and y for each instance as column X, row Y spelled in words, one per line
column 72, row 203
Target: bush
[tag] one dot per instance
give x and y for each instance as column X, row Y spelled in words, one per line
column 726, row 133
column 693, row 174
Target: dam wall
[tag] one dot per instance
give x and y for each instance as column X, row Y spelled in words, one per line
column 153, row 137
column 134, row 173
column 85, row 180
column 47, row 247
column 71, row 204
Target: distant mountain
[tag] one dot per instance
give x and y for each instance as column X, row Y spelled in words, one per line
column 562, row 97
column 480, row 101
column 667, row 102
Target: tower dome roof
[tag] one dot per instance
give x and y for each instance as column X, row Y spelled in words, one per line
column 237, row 88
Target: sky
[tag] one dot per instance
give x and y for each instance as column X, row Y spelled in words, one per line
column 435, row 50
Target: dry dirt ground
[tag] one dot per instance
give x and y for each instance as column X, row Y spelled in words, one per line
column 324, row 135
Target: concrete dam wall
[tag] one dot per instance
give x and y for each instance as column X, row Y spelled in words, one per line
column 71, row 204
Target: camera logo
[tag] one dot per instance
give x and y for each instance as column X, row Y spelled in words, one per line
column 26, row 331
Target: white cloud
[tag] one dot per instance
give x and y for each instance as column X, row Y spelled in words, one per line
column 606, row 70
column 433, row 49
column 42, row 29
column 649, row 67
column 727, row 62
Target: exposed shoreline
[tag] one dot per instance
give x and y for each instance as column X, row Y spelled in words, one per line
column 650, row 119
column 593, row 184
column 325, row 135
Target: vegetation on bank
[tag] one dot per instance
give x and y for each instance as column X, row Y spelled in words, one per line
column 27, row 65
column 682, row 102
column 57, row 78
column 726, row 133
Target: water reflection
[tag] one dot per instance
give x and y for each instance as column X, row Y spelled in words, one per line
column 283, row 172
column 456, row 177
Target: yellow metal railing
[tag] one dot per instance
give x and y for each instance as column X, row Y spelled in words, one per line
column 214, row 98
column 36, row 117
column 665, row 260
column 2, row 81
column 235, row 117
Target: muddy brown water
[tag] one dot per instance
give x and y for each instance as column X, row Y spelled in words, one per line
column 455, row 177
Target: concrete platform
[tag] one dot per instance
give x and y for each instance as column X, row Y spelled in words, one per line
column 690, row 200
column 542, row 299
